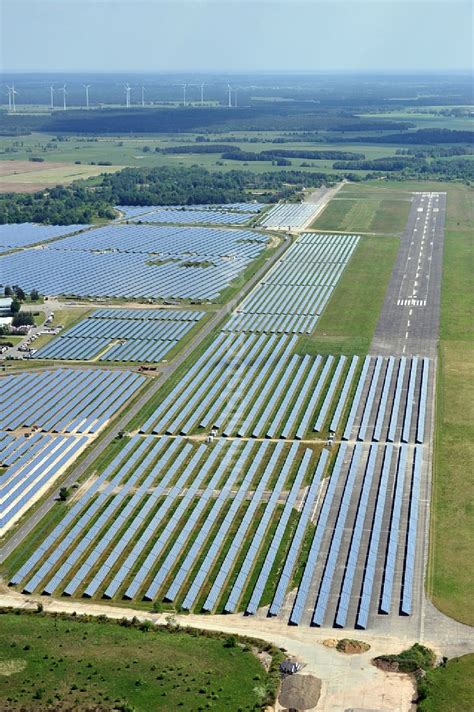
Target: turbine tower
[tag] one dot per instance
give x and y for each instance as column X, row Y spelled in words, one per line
column 202, row 94
column 51, row 92
column 13, row 92
column 229, row 102
column 143, row 95
column 87, row 87
column 63, row 89
column 184, row 94
column 128, row 90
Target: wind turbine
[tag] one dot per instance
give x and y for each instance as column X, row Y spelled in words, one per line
column 229, row 102
column 128, row 90
column 13, row 92
column 51, row 91
column 184, row 94
column 143, row 95
column 87, row 87
column 202, row 94
column 63, row 89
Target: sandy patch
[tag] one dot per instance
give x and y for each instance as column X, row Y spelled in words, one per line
column 10, row 667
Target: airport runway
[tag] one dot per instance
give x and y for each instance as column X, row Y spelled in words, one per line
column 409, row 321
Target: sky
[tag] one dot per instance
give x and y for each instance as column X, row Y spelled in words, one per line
column 236, row 35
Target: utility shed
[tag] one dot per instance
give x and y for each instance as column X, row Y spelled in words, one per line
column 5, row 306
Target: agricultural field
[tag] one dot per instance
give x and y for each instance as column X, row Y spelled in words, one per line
column 79, row 665
column 20, row 176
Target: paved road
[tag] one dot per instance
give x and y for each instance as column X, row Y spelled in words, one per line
column 409, row 321
column 148, row 393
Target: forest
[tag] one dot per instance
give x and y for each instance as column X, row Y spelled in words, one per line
column 82, row 203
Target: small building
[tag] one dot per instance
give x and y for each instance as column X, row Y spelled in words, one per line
column 6, row 306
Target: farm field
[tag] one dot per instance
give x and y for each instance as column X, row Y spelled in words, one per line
column 20, row 176
column 80, row 665
column 360, row 209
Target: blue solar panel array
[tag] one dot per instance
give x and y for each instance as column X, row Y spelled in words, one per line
column 142, row 337
column 137, row 261
column 14, row 236
column 64, row 400
column 212, row 212
column 220, row 390
column 295, row 291
column 31, row 473
column 297, row 540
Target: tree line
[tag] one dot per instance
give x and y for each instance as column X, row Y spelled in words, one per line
column 84, row 202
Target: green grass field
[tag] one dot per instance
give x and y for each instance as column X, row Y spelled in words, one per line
column 348, row 322
column 450, row 580
column 450, row 688
column 48, row 663
column 128, row 151
column 356, row 209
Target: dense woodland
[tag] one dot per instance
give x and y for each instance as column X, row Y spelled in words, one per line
column 83, row 203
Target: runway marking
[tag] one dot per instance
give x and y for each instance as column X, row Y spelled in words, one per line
column 411, row 303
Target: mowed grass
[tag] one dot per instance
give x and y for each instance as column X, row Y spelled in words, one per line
column 381, row 213
column 349, row 320
column 450, row 580
column 449, row 688
column 48, row 662
column 25, row 180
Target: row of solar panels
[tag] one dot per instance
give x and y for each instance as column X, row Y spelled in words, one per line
column 122, row 274
column 172, row 242
column 289, row 215
column 64, row 400
column 255, row 386
column 128, row 329
column 33, row 473
column 148, row 314
column 132, row 211
column 72, row 551
column 386, row 485
column 146, row 340
column 13, row 236
column 299, row 285
column 176, row 503
column 390, row 400
column 189, row 217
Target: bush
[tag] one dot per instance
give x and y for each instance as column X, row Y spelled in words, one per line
column 23, row 319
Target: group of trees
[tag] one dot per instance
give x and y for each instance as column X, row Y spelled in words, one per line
column 83, row 203
column 414, row 167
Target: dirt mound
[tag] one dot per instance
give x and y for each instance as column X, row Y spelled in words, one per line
column 352, row 647
column 300, row 692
